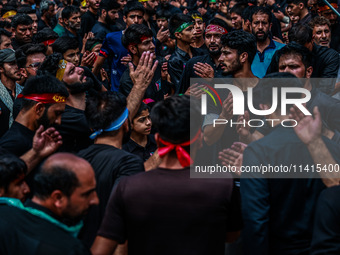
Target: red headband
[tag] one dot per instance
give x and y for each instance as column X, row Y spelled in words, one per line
column 215, row 28
column 49, row 42
column 326, row 7
column 47, row 98
column 182, row 155
column 142, row 39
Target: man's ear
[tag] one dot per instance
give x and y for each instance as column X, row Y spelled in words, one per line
column 23, row 72
column 301, row 6
column 124, row 19
column 2, row 69
column 157, row 139
column 132, row 49
column 243, row 57
column 309, row 72
column 59, row 200
column 2, row 192
column 178, row 35
column 39, row 109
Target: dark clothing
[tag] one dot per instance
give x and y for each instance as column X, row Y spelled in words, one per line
column 177, row 64
column 278, row 213
column 100, row 30
column 326, row 234
column 4, row 115
column 17, row 140
column 335, row 37
column 42, row 25
column 143, row 153
column 162, row 50
column 25, row 233
column 110, row 165
column 189, row 71
column 173, row 213
column 87, row 22
column 74, row 130
column 156, row 90
column 170, row 8
column 16, row 44
column 306, row 19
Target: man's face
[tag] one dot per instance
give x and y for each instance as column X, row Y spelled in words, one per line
column 11, row 71
column 83, row 197
column 17, row 188
column 229, row 61
column 213, row 42
column 292, row 64
column 322, row 35
column 74, row 21
column 151, row 6
column 112, row 16
column 213, row 6
column 5, row 43
column 73, row 74
column 187, row 35
column 260, row 26
column 23, row 33
column 162, row 22
column 146, row 45
column 35, row 23
column 94, row 4
column 134, row 17
column 198, row 28
column 51, row 115
column 313, row 6
column 331, row 16
column 122, row 3
column 142, row 124
column 236, row 21
column 261, row 2
column 50, row 12
column 293, row 9
column 33, row 62
column 223, row 7
column 72, row 55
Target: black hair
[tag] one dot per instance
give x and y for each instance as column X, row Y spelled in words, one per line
column 50, row 64
column 90, row 42
column 238, row 8
column 68, row 11
column 108, row 5
column 11, row 167
column 282, row 80
column 241, row 41
column 219, row 22
column 7, row 8
column 301, row 34
column 296, row 50
column 54, row 178
column 63, row 44
column 40, row 84
column 176, row 21
column 142, row 107
column 4, row 32
column 44, row 35
column 21, row 19
column 5, row 24
column 163, row 14
column 133, row 34
column 248, row 13
column 45, row 5
column 104, row 108
column 297, row 2
column 173, row 117
column 26, row 10
column 133, row 6
column 24, row 51
column 261, row 10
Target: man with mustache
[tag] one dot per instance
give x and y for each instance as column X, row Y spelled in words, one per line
column 22, row 26
column 321, row 31
column 261, row 23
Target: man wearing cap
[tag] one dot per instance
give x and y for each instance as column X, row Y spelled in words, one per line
column 206, row 66
column 43, row 101
column 9, row 89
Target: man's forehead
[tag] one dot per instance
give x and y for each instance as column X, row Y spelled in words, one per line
column 135, row 12
column 75, row 15
column 290, row 58
column 260, row 16
column 213, row 33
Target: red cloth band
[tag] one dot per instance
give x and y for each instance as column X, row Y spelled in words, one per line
column 182, row 155
column 326, row 7
column 216, row 29
column 47, row 98
column 49, row 42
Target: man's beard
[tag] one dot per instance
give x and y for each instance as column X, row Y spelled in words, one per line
column 73, row 26
column 262, row 38
column 80, row 87
column 235, row 66
column 149, row 11
column 215, row 52
column 44, row 119
column 109, row 21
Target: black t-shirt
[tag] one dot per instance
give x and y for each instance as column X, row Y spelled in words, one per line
column 4, row 118
column 87, row 22
column 164, row 211
column 17, row 140
column 142, row 152
column 110, row 165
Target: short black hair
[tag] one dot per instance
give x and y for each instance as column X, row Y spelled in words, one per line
column 5, row 24
column 21, row 19
column 242, row 42
column 44, row 35
column 50, row 64
column 40, row 84
column 7, row 8
column 219, row 22
column 176, row 21
column 133, row 34
column 53, row 178
column 297, row 2
column 24, row 51
column 248, row 12
column 103, row 109
column 45, row 5
column 141, row 108
column 301, row 34
column 173, row 117
column 91, row 42
column 238, row 8
column 133, row 6
column 109, row 5
column 261, row 10
column 4, row 32
column 63, row 44
column 163, row 14
column 11, row 167
column 296, row 50
column 68, row 11
column 26, row 10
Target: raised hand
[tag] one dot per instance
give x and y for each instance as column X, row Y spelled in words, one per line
column 46, row 142
column 125, row 60
column 227, row 108
column 88, row 59
column 204, row 70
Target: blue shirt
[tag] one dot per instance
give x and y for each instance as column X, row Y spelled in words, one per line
column 113, row 48
column 262, row 60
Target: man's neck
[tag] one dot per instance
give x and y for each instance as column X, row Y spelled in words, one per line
column 304, row 13
column 140, row 139
column 47, row 22
column 93, row 11
column 135, row 60
column 308, row 85
column 170, row 163
column 8, row 83
column 184, row 47
column 246, row 72
column 261, row 45
column 115, row 141
column 73, row 31
column 26, row 119
column 198, row 42
column 77, row 101
column 101, row 20
column 146, row 18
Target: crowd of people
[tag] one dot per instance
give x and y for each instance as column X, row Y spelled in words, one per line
column 101, row 126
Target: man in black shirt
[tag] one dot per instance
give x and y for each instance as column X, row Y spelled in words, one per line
column 47, row 14
column 299, row 8
column 49, row 223
column 167, row 218
column 22, row 25
column 90, row 17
